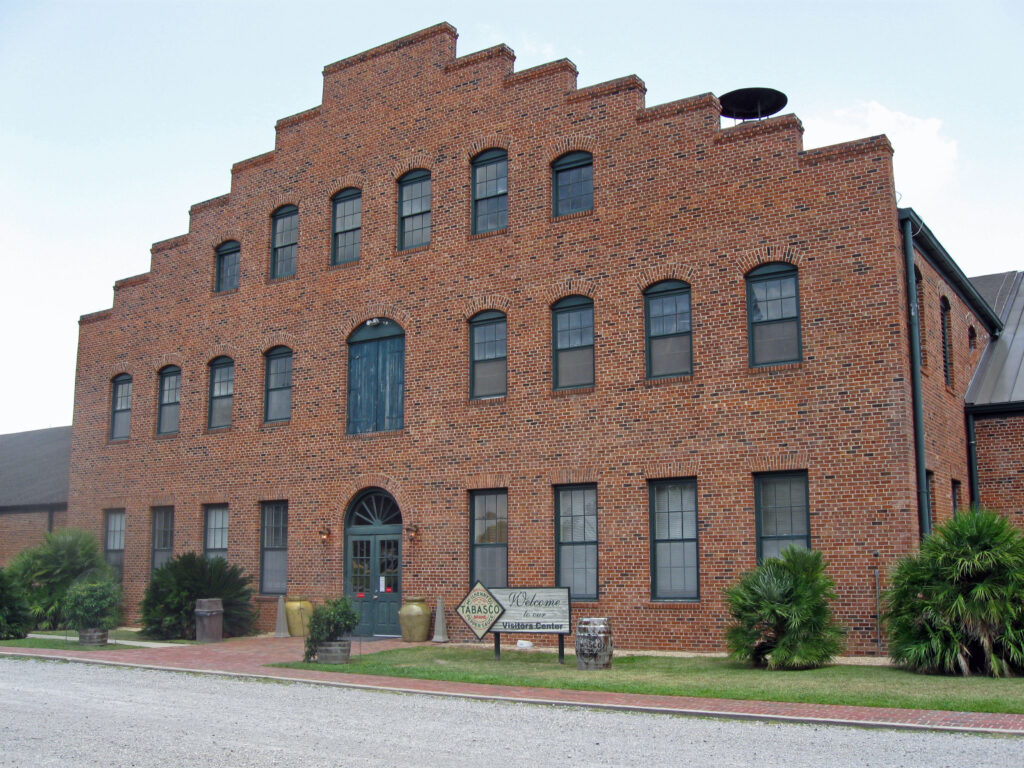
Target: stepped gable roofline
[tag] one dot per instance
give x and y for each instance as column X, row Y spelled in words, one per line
column 998, row 385
column 939, row 258
column 443, row 29
column 500, row 51
column 35, row 466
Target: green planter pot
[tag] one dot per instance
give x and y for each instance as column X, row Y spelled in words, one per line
column 334, row 652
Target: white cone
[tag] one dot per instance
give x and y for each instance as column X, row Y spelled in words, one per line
column 440, row 627
column 282, row 621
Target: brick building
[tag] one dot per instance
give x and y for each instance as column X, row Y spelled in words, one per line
column 464, row 322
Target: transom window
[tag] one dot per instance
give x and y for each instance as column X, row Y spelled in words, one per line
column 222, row 391
column 488, row 354
column 780, row 499
column 347, row 226
column 414, row 209
column 489, row 538
column 376, row 377
column 773, row 315
column 278, row 395
column 490, row 191
column 669, row 335
column 274, row 548
column 120, row 407
column 170, row 400
column 576, row 539
column 163, row 536
column 572, row 321
column 227, row 266
column 673, row 510
column 573, row 183
column 284, row 248
column 215, row 539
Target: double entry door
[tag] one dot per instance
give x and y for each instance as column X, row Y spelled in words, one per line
column 373, row 581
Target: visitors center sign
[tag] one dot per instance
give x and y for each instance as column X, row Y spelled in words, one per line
column 516, row 609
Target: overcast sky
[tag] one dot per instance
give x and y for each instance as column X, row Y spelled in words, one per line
column 115, row 117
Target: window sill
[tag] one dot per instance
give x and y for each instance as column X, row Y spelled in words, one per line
column 343, row 264
column 217, row 430
column 485, row 401
column 275, row 424
column 407, row 251
column 577, row 215
column 165, row 436
column 261, row 598
column 682, row 378
column 282, row 279
column 117, row 441
column 225, row 292
column 583, row 601
column 673, row 602
column 370, row 435
column 483, row 235
column 568, row 392
column 775, row 367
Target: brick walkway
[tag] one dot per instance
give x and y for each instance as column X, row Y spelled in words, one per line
column 248, row 657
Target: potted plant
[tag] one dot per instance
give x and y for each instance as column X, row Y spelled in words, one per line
column 329, row 629
column 91, row 608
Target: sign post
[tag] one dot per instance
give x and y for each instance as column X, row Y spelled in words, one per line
column 539, row 610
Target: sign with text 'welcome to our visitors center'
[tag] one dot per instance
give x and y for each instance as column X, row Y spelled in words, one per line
column 516, row 609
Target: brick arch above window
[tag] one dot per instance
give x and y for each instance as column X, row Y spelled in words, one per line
column 225, row 236
column 768, row 254
column 494, row 141
column 356, row 317
column 647, row 277
column 581, row 473
column 418, row 162
column 352, row 487
column 785, row 462
column 226, row 350
column 565, row 144
column 355, row 182
column 170, row 358
column 484, row 303
column 573, row 286
column 272, row 340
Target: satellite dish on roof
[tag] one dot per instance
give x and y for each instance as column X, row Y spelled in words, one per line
column 752, row 103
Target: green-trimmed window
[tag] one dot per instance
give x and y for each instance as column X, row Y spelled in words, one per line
column 227, row 266
column 576, row 540
column 572, row 332
column 783, row 517
column 376, row 377
column 488, row 354
column 773, row 315
column 572, row 183
column 163, row 536
column 673, row 511
column 222, row 392
column 215, row 530
column 947, row 340
column 669, row 332
column 285, row 241
column 489, row 537
column 414, row 209
column 278, row 385
column 113, row 540
column 120, row 406
column 346, row 226
column 490, row 191
column 274, row 547
column 170, row 400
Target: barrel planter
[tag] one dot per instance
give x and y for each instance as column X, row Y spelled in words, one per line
column 594, row 644
column 92, row 637
column 334, row 652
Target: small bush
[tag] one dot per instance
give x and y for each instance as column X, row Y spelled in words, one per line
column 92, row 605
column 169, row 605
column 15, row 619
column 332, row 621
column 45, row 572
column 957, row 607
column 782, row 615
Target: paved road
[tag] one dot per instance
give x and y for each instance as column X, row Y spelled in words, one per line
column 58, row 714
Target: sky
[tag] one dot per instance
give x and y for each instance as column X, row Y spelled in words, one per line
column 116, row 116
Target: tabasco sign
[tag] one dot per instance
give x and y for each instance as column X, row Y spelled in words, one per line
column 520, row 609
column 480, row 610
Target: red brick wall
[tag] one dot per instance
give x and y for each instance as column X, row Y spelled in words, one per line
column 1000, row 470
column 23, row 529
column 675, row 196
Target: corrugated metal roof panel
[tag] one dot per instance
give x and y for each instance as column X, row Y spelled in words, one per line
column 1000, row 375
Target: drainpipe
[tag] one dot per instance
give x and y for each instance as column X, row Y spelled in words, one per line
column 972, row 463
column 923, row 512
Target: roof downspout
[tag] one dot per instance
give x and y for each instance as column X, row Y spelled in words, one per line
column 972, row 463
column 923, row 512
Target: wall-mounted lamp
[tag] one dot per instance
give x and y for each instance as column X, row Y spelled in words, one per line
column 413, row 531
column 373, row 322
column 324, row 532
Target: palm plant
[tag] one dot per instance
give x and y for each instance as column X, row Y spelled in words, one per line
column 957, row 607
column 15, row 620
column 781, row 613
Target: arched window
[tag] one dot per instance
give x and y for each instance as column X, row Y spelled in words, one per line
column 773, row 315
column 487, row 356
column 947, row 341
column 346, row 226
column 170, row 399
column 278, row 385
column 414, row 209
column 972, row 339
column 222, row 392
column 921, row 335
column 120, row 406
column 227, row 266
column 669, row 334
column 572, row 341
column 490, row 191
column 572, row 183
column 376, row 377
column 284, row 245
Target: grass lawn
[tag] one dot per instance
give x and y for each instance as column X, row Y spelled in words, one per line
column 705, row 677
column 61, row 645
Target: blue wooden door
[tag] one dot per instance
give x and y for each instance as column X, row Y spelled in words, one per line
column 376, row 385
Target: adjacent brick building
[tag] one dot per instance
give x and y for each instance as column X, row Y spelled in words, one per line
column 464, row 322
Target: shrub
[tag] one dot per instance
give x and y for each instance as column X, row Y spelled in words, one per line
column 15, row 619
column 332, row 621
column 92, row 605
column 957, row 607
column 782, row 615
column 45, row 572
column 169, row 605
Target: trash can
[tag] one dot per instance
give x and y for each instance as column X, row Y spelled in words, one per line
column 209, row 620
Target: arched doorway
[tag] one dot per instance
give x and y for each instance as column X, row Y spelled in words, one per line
column 373, row 561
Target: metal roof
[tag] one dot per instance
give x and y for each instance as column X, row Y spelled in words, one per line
column 998, row 383
column 34, row 467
